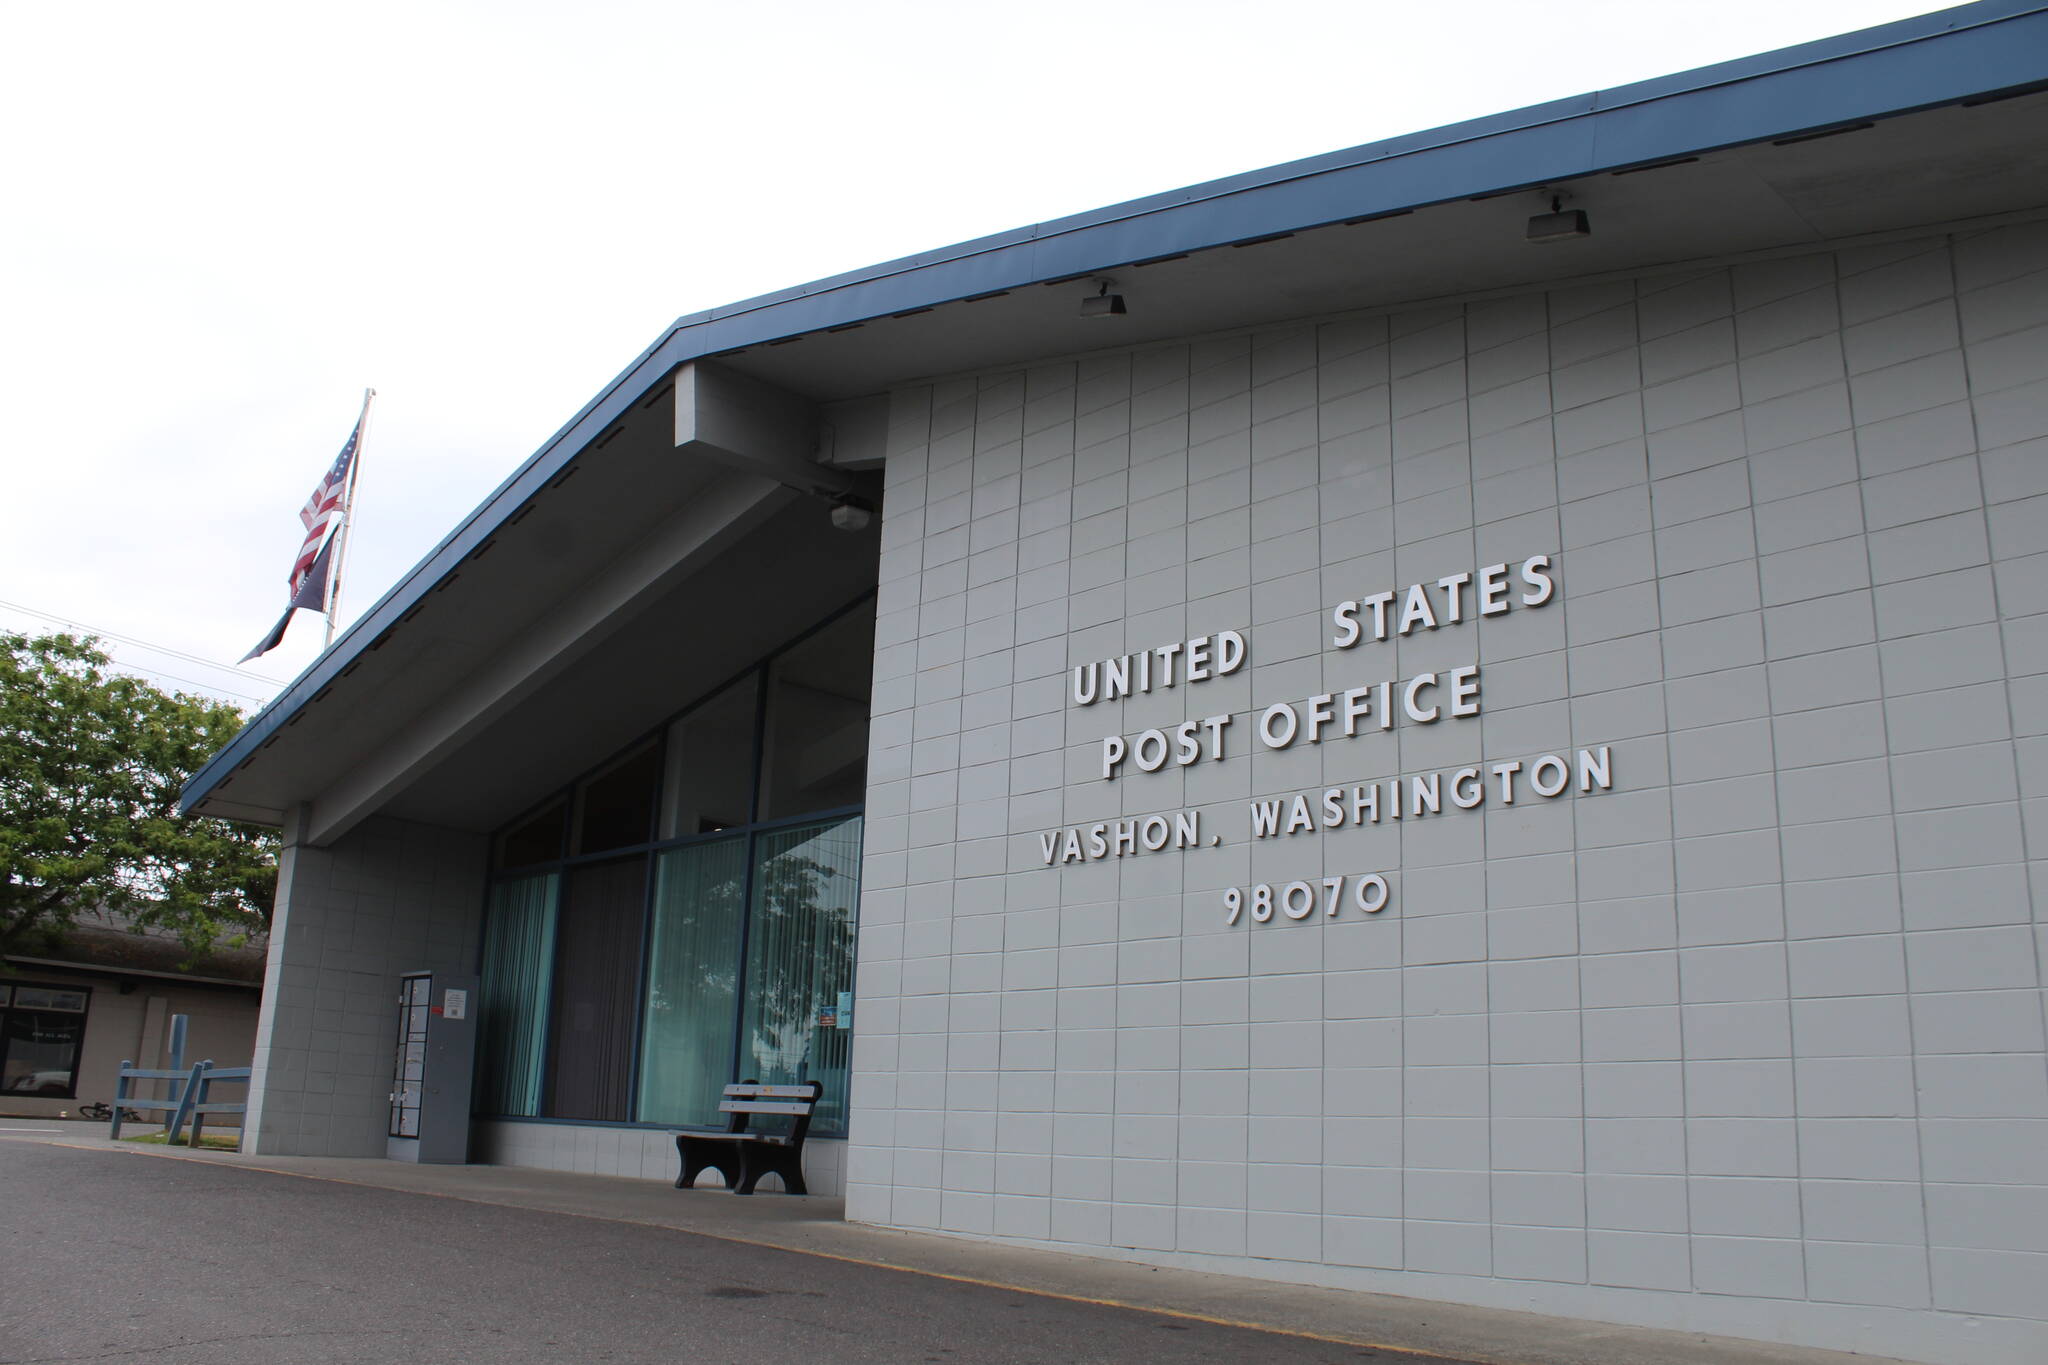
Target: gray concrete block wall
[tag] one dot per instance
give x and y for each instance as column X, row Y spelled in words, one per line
column 391, row 897
column 1751, row 1043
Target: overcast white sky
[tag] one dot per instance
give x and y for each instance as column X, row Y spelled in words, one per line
column 223, row 221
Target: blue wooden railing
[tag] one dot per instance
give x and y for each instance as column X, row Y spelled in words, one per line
column 198, row 1106
column 189, row 1097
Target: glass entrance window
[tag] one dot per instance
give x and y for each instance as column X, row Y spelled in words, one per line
column 815, row 743
column 798, row 1021
column 615, row 809
column 684, row 917
column 519, row 956
column 597, row 964
column 708, row 775
column 693, row 981
column 538, row 839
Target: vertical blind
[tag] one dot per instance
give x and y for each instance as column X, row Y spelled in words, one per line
column 597, row 966
column 692, row 981
column 746, row 977
column 800, row 960
column 519, row 955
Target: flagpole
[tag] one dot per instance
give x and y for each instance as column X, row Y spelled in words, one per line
column 348, row 515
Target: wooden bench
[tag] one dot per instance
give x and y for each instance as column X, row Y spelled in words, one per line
column 743, row 1155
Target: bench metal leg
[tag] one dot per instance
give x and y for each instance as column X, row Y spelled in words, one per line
column 757, row 1160
column 697, row 1155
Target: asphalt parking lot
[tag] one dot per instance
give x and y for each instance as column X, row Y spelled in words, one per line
column 108, row 1255
column 116, row 1250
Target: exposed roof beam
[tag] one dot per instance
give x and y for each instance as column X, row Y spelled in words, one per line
column 744, row 424
column 699, row 530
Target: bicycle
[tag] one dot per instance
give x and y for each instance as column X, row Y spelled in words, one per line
column 98, row 1112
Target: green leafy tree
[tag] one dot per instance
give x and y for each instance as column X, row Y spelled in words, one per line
column 91, row 762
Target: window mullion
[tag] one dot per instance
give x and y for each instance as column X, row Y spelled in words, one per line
column 739, row 995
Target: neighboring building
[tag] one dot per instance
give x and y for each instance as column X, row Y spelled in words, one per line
column 1436, row 751
column 105, row 994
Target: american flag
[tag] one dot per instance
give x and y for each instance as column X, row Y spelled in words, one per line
column 320, row 508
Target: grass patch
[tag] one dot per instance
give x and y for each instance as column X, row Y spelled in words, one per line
column 208, row 1142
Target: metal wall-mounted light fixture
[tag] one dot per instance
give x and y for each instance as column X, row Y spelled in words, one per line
column 1560, row 224
column 1102, row 303
column 850, row 513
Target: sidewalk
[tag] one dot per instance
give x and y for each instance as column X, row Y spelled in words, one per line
column 814, row 1226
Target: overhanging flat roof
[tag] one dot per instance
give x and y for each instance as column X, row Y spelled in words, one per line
column 1731, row 164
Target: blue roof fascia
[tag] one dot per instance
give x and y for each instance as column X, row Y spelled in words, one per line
column 1892, row 73
column 1896, row 68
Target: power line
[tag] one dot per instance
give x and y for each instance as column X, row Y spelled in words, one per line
column 258, row 698
column 154, row 647
column 209, row 687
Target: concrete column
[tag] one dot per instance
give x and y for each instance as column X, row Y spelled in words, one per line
column 149, row 1043
column 390, row 897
